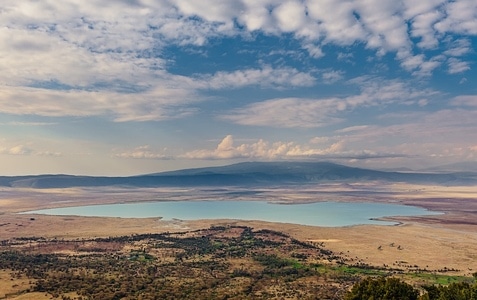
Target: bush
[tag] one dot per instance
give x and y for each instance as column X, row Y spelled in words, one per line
column 383, row 289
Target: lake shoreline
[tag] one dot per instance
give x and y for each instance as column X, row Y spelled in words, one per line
column 326, row 214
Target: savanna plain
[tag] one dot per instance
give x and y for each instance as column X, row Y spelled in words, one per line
column 74, row 257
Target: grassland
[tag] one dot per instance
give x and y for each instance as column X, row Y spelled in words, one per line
column 421, row 250
column 221, row 262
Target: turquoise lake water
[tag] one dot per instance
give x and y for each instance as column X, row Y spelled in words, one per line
column 330, row 214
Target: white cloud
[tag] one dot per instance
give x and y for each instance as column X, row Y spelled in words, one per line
column 410, row 62
column 210, row 10
column 87, row 36
column 345, row 57
column 287, row 112
column 111, row 44
column 384, row 21
column 427, row 67
column 459, row 47
column 330, row 77
column 422, row 133
column 319, row 140
column 461, row 17
column 160, row 104
column 26, row 147
column 49, row 153
column 414, row 8
column 422, row 27
column 256, row 16
column 16, row 150
column 418, row 65
column 28, row 57
column 263, row 150
column 416, row 137
column 143, row 152
column 265, row 77
column 90, row 58
column 290, row 16
column 465, row 100
column 353, row 129
column 309, row 113
column 457, row 66
column 337, row 20
column 169, row 98
column 314, row 50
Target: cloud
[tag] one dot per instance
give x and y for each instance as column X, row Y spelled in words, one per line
column 121, row 42
column 459, row 47
column 422, row 27
column 143, row 152
column 68, row 58
column 385, row 24
column 17, row 150
column 210, row 10
column 24, row 150
column 287, row 112
column 28, row 123
column 170, row 98
column 337, row 22
column 290, row 16
column 465, row 100
column 320, row 112
column 265, row 150
column 460, row 18
column 457, row 66
column 330, row 77
column 420, row 135
column 418, row 64
column 31, row 56
column 266, row 77
column 159, row 104
column 261, row 149
column 353, row 129
column 320, row 140
column 49, row 153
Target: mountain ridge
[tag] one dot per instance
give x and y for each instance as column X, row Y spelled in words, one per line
column 243, row 174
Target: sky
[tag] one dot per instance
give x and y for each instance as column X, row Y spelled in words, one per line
column 131, row 87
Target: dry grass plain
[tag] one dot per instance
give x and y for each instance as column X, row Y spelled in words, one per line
column 432, row 242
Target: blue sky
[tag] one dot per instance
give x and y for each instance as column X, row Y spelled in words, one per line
column 138, row 86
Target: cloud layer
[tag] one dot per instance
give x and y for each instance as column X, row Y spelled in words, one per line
column 95, row 55
column 367, row 80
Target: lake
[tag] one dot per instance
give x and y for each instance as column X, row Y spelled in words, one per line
column 329, row 214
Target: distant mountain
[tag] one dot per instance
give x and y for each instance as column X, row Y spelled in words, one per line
column 401, row 169
column 468, row 166
column 244, row 174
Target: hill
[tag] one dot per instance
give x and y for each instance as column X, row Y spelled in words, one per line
column 245, row 174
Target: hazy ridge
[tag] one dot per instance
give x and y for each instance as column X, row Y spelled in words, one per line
column 243, row 174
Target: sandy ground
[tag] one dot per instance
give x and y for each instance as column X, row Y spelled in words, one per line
column 431, row 242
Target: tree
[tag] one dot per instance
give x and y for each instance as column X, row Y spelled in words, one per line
column 383, row 289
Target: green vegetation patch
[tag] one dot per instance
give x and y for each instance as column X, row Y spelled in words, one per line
column 430, row 278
